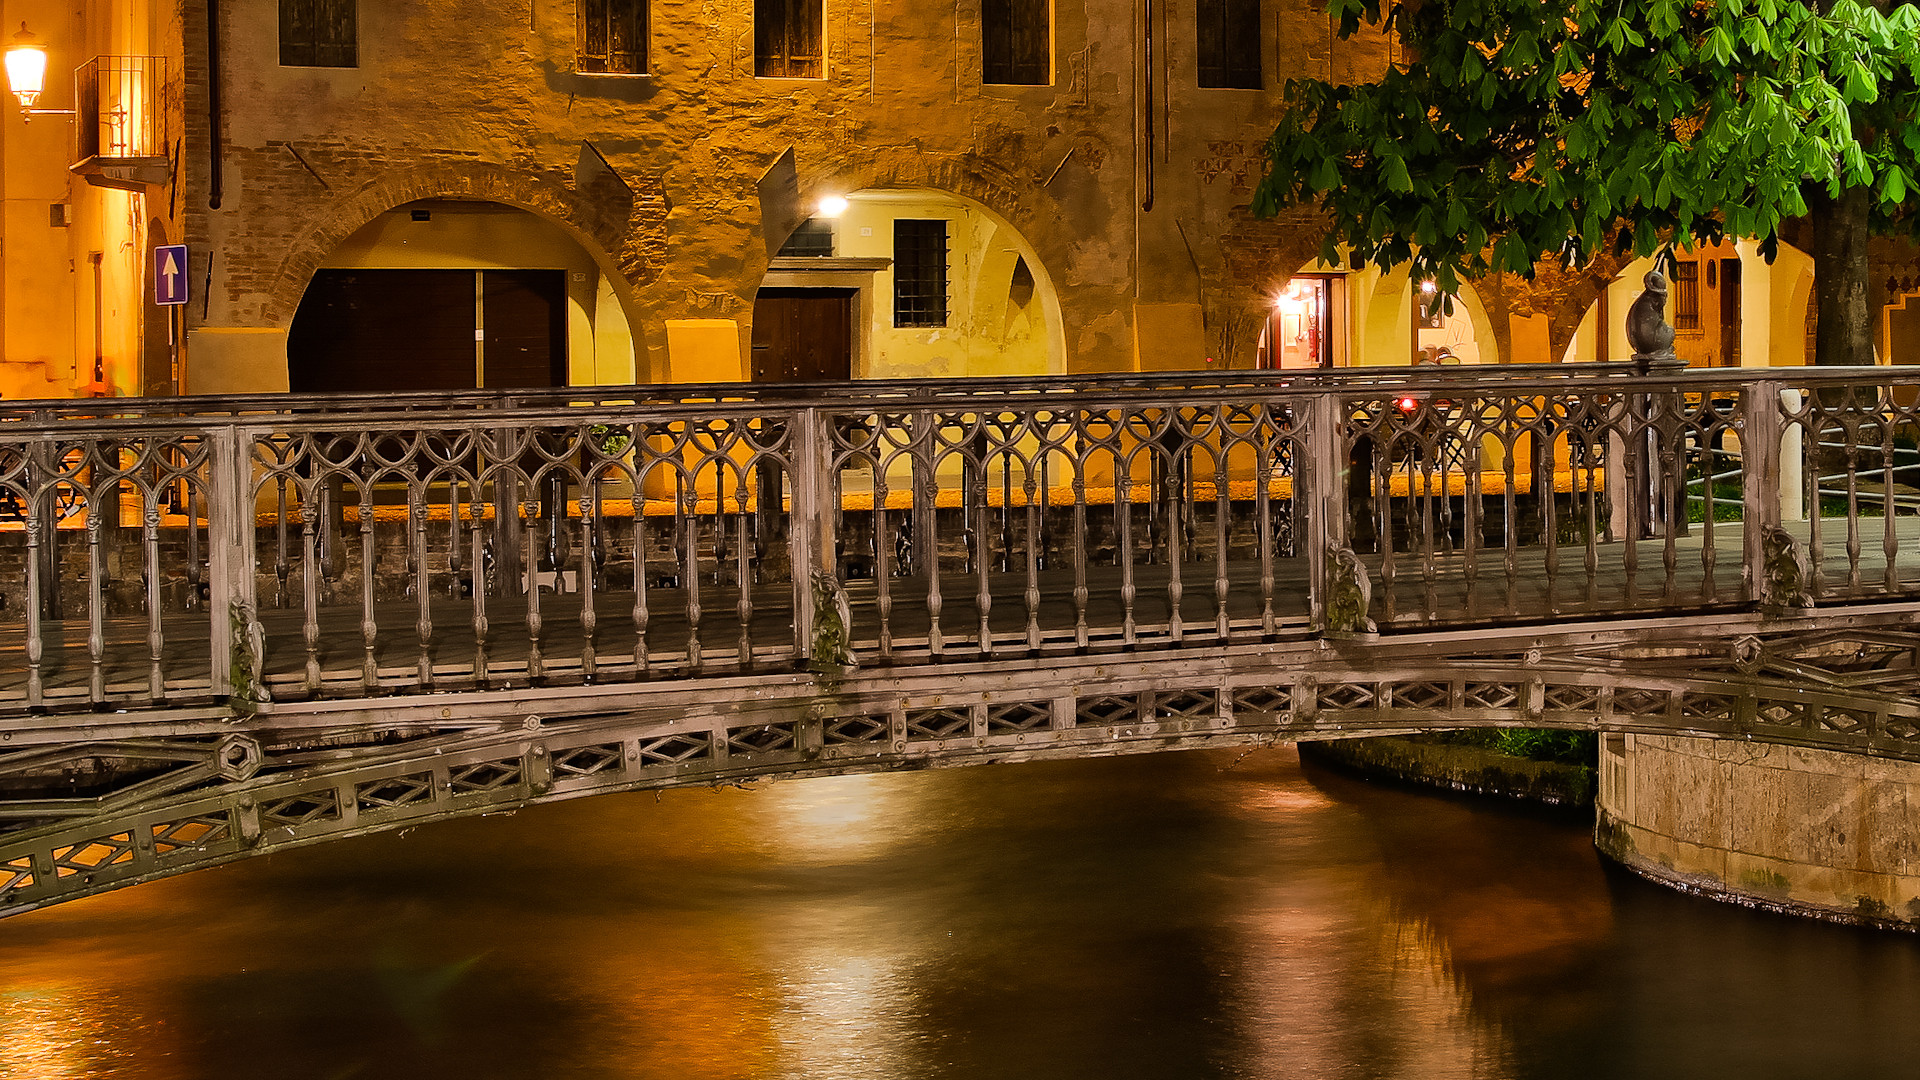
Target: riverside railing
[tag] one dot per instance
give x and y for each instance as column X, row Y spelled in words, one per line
column 276, row 548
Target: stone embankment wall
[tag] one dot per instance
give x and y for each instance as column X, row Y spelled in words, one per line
column 1808, row 832
column 1476, row 770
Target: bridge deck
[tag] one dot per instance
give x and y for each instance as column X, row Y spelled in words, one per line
column 1440, row 591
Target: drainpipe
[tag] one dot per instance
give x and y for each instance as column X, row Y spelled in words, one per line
column 213, row 104
column 1146, row 112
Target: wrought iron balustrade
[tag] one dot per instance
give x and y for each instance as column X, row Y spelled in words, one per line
column 279, row 548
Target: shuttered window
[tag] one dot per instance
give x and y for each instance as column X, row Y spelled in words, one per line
column 1228, row 35
column 787, row 39
column 319, row 33
column 1686, row 295
column 613, row 36
column 1016, row 42
column 920, row 272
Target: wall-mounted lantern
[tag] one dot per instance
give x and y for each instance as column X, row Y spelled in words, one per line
column 27, row 74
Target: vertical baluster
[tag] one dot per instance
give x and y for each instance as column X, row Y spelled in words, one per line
column 1889, row 542
column 690, row 565
column 641, row 665
column 743, row 569
column 1810, row 458
column 36, row 638
column 1673, row 475
column 1473, row 495
column 882, row 552
column 282, row 563
column 454, row 540
column 1547, row 482
column 1265, row 418
column 477, row 588
column 1222, row 515
column 1636, row 466
column 1123, row 541
column 1387, row 443
column 196, row 577
column 369, row 629
column 1590, row 464
column 96, row 610
column 1710, row 430
column 1032, row 491
column 982, row 555
column 1432, row 439
column 422, row 580
column 530, row 573
column 927, row 535
column 1510, row 515
column 590, row 508
column 1079, row 546
column 1172, row 499
column 310, row 583
column 150, row 555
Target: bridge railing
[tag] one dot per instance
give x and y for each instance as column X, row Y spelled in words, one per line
column 255, row 550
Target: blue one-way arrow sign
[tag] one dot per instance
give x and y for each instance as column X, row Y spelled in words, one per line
column 170, row 274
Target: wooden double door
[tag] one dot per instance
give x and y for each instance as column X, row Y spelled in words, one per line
column 372, row 331
column 803, row 335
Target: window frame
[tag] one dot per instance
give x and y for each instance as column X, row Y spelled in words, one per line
column 1686, row 294
column 1228, row 54
column 343, row 43
column 787, row 57
column 918, row 278
column 1002, row 24
column 637, row 18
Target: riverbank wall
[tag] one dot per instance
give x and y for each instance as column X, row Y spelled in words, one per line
column 1803, row 832
column 1475, row 770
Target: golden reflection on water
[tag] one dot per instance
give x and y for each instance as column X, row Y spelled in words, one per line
column 1236, row 915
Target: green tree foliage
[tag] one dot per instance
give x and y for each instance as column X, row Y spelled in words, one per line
column 1521, row 129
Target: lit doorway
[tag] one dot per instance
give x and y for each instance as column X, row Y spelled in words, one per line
column 1307, row 326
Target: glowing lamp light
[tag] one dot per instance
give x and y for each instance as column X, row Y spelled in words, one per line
column 1407, row 404
column 26, row 67
column 833, row 206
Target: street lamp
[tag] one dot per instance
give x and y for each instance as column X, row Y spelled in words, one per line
column 27, row 74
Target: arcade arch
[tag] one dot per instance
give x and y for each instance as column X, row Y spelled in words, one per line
column 1729, row 308
column 443, row 294
column 906, row 283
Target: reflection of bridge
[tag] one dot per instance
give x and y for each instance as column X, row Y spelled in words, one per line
column 232, row 626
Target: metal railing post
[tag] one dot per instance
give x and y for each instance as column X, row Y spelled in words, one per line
column 810, row 533
column 234, row 644
column 1326, row 489
column 1761, row 430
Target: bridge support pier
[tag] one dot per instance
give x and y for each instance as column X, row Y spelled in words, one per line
column 1805, row 832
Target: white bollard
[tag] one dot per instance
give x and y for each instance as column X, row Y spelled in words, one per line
column 1793, row 505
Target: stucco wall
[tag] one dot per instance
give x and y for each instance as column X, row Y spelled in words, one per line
column 1808, row 831
column 479, row 100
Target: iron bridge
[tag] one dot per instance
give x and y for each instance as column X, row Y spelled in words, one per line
column 234, row 625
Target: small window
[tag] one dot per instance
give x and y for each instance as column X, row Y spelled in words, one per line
column 814, row 238
column 1228, row 34
column 319, row 33
column 1686, row 295
column 920, row 272
column 613, row 37
column 1016, row 42
column 786, row 39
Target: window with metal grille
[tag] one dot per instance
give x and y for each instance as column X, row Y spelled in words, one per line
column 1228, row 35
column 787, row 39
column 612, row 37
column 920, row 272
column 1686, row 295
column 1016, row 42
column 319, row 33
column 814, row 237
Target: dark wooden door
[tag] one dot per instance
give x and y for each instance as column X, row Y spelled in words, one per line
column 803, row 335
column 373, row 331
column 1730, row 312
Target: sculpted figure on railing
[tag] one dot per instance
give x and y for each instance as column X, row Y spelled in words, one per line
column 1647, row 329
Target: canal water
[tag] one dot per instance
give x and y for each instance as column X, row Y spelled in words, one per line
column 1206, row 914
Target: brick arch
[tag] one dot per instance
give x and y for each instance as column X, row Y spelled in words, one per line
column 601, row 226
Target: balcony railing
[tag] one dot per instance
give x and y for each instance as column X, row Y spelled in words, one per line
column 252, row 550
column 121, row 127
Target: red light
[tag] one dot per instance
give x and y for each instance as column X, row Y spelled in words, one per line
column 1408, row 404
